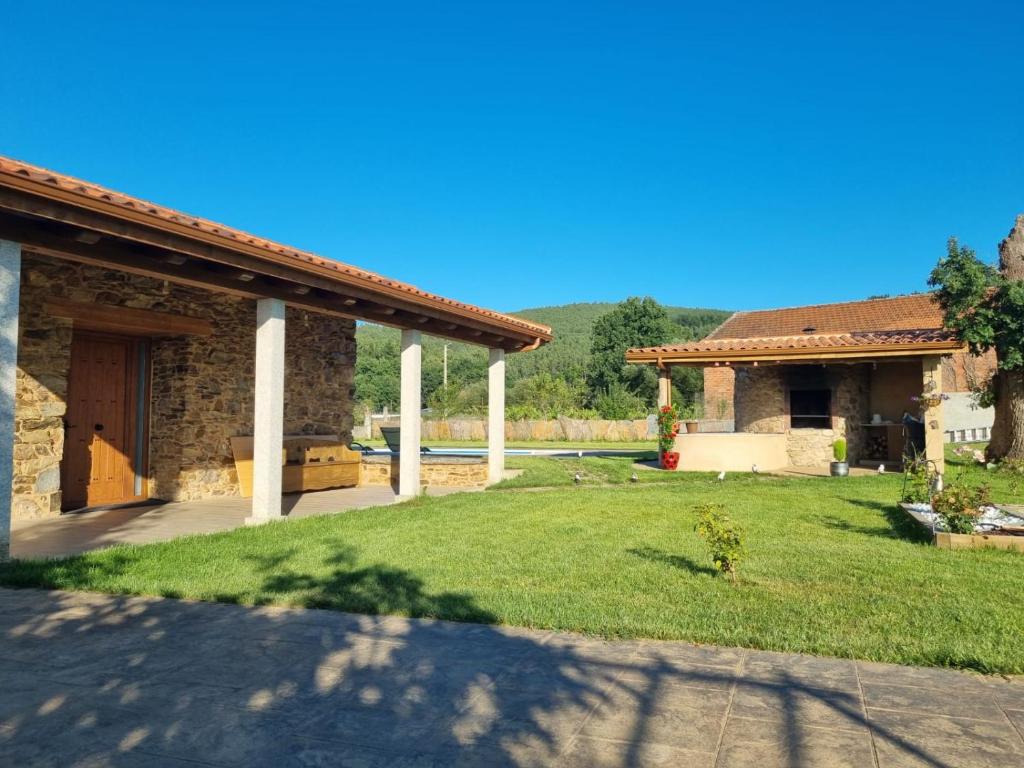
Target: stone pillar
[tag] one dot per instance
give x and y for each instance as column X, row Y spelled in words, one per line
column 268, row 432
column 409, row 453
column 934, row 438
column 664, row 387
column 10, row 288
column 496, row 416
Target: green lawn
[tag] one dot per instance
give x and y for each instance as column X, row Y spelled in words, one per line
column 583, row 445
column 833, row 568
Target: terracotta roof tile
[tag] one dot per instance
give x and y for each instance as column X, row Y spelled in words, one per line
column 816, row 341
column 899, row 313
column 86, row 189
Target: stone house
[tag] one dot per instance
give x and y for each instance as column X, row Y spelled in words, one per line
column 139, row 340
column 794, row 380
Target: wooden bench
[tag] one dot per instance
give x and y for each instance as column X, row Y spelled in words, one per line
column 309, row 463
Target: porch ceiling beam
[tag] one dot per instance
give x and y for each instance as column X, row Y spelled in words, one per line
column 142, row 322
column 140, row 260
column 136, row 226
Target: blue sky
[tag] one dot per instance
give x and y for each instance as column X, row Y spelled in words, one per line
column 734, row 155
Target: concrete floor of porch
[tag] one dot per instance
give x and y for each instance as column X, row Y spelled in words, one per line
column 81, row 532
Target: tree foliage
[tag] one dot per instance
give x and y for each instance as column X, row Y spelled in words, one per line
column 567, row 360
column 984, row 307
column 636, row 322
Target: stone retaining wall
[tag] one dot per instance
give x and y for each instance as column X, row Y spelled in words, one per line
column 435, row 472
column 202, row 387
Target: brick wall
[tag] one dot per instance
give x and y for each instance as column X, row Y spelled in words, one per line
column 719, row 390
column 202, row 387
column 963, row 372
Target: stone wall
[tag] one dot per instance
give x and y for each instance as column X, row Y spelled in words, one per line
column 435, row 472
column 761, row 406
column 202, row 387
column 760, row 400
column 810, row 447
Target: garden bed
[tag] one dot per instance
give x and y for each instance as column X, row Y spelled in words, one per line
column 989, row 531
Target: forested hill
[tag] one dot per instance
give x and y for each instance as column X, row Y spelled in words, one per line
column 566, row 357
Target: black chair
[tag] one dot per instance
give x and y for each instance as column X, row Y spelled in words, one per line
column 913, row 437
column 392, row 436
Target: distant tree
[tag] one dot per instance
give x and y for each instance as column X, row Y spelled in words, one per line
column 378, row 373
column 636, row 322
column 544, row 396
column 984, row 306
column 445, row 402
column 619, row 403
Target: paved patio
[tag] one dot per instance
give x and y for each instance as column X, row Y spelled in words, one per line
column 97, row 680
column 73, row 533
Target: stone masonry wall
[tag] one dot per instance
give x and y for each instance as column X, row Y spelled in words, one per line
column 202, row 387
column 760, row 400
column 760, row 404
column 456, row 472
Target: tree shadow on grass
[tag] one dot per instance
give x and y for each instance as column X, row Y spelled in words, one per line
column 682, row 562
column 900, row 525
column 95, row 679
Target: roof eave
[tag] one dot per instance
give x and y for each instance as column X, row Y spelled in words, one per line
column 704, row 358
column 530, row 333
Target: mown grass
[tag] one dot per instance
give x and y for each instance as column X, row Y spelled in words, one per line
column 558, row 445
column 833, row 567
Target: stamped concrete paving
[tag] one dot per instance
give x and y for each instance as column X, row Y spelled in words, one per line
column 94, row 680
column 73, row 533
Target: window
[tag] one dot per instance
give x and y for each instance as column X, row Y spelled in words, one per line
column 810, row 409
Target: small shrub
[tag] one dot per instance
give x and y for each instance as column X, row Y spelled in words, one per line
column 917, row 483
column 959, row 506
column 839, row 449
column 723, row 537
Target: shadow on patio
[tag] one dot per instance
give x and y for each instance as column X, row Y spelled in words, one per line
column 113, row 680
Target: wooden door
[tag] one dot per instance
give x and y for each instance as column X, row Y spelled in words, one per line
column 100, row 425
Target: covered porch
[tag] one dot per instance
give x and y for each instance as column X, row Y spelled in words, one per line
column 145, row 524
column 190, row 333
column 794, row 397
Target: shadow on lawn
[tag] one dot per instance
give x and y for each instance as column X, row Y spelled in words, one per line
column 100, row 680
column 682, row 562
column 900, row 526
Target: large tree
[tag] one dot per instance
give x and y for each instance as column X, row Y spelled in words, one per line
column 635, row 322
column 984, row 306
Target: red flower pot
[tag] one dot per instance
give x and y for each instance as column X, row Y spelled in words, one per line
column 669, row 459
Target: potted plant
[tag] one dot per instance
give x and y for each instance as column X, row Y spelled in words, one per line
column 839, row 467
column 690, row 418
column 668, row 428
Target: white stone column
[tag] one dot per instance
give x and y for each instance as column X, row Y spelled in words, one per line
column 268, row 434
column 496, row 416
column 934, row 436
column 409, row 446
column 10, row 288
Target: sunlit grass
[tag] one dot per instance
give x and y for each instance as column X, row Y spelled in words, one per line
column 833, row 567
